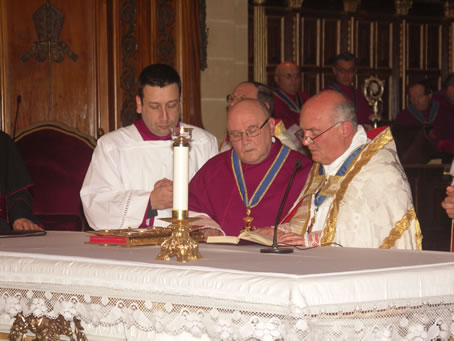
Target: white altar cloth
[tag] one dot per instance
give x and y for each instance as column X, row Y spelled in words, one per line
column 232, row 293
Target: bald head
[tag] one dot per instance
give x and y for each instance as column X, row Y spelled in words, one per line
column 288, row 77
column 250, row 136
column 329, row 119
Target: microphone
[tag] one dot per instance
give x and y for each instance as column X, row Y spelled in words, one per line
column 19, row 100
column 275, row 247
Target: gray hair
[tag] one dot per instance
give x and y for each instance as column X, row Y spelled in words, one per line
column 345, row 112
column 264, row 95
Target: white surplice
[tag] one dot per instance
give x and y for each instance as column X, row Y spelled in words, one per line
column 123, row 171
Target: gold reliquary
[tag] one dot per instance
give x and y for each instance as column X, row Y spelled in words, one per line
column 135, row 237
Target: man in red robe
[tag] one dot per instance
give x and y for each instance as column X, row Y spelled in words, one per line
column 250, row 177
column 425, row 110
column 344, row 70
column 288, row 98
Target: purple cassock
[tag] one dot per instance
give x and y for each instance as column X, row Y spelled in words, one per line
column 215, row 190
column 439, row 116
column 363, row 109
column 445, row 118
column 287, row 107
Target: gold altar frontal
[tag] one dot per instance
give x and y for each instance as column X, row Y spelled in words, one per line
column 180, row 244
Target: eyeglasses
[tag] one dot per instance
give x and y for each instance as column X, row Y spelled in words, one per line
column 289, row 76
column 311, row 140
column 250, row 132
column 171, row 106
column 232, row 98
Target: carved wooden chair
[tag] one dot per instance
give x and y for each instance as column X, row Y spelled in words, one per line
column 57, row 158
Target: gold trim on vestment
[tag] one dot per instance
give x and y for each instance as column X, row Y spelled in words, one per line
column 361, row 160
column 279, row 128
column 401, row 226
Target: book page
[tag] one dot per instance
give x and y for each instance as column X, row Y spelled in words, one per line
column 251, row 236
column 223, row 239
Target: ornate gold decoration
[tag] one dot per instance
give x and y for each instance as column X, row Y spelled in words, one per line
column 135, row 237
column 401, row 226
column 363, row 158
column 294, row 3
column 46, row 329
column 350, row 6
column 180, row 244
column 248, row 220
column 48, row 25
column 259, row 2
column 402, row 6
column 373, row 91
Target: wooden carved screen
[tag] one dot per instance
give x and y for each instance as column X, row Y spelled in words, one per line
column 93, row 88
column 395, row 48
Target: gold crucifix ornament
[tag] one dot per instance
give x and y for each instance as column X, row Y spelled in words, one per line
column 248, row 220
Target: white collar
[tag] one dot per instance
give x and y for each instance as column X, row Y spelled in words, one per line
column 359, row 139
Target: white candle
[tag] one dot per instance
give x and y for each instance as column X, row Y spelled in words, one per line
column 180, row 177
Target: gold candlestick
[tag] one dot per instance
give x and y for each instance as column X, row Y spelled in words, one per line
column 180, row 244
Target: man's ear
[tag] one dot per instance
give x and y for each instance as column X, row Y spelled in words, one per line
column 138, row 105
column 347, row 128
column 272, row 124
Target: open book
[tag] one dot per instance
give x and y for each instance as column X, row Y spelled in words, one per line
column 262, row 239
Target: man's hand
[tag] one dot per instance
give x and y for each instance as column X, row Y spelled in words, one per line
column 23, row 224
column 162, row 195
column 291, row 238
column 206, row 225
column 448, row 203
column 312, row 239
column 210, row 232
column 269, row 231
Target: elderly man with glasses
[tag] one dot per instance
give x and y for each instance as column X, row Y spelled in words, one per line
column 288, row 97
column 128, row 183
column 357, row 194
column 249, row 180
column 259, row 91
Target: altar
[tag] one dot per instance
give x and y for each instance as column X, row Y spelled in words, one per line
column 232, row 293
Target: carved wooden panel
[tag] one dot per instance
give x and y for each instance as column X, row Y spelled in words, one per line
column 383, row 45
column 364, row 43
column 51, row 88
column 275, row 43
column 310, row 36
column 396, row 48
column 330, row 44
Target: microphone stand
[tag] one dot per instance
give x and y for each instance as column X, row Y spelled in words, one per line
column 275, row 247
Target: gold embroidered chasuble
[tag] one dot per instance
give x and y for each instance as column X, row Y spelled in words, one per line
column 372, row 204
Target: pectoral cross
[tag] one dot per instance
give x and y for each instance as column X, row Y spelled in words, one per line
column 248, row 220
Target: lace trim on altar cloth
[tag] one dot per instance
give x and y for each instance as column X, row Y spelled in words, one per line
column 139, row 319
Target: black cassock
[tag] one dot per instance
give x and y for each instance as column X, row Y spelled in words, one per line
column 15, row 197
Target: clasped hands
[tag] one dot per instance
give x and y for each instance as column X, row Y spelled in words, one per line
column 162, row 195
